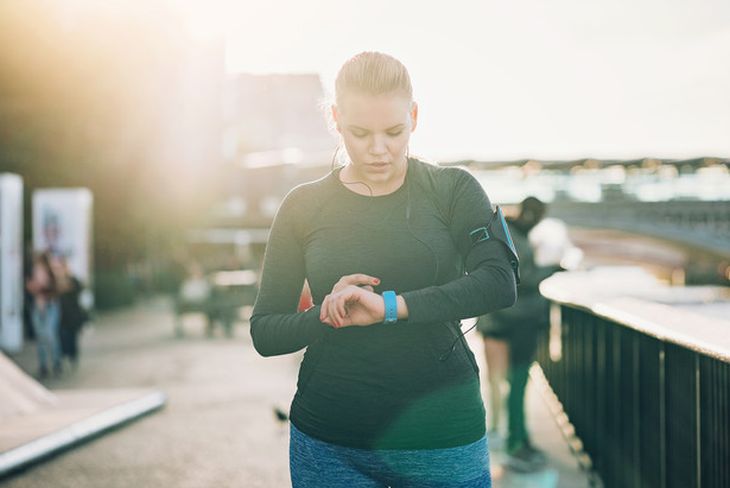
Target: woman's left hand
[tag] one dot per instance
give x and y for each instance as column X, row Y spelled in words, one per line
column 352, row 306
column 358, row 279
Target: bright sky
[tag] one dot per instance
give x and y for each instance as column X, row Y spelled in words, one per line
column 513, row 79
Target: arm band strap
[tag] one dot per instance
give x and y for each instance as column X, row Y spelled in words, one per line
column 391, row 307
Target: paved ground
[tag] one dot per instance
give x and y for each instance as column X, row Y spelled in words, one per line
column 218, row 428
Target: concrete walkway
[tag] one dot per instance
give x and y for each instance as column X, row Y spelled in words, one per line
column 218, row 428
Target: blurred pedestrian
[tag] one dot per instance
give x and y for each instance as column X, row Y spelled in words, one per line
column 45, row 314
column 396, row 253
column 510, row 343
column 73, row 315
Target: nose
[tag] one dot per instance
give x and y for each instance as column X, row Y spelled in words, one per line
column 378, row 146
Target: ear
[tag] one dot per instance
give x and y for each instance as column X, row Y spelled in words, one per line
column 335, row 116
column 414, row 116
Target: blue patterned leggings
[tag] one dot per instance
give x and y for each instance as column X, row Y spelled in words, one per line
column 314, row 463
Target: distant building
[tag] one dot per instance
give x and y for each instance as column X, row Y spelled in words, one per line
column 270, row 113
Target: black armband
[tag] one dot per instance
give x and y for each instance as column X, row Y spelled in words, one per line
column 497, row 229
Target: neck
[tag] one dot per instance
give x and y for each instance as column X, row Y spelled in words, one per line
column 358, row 183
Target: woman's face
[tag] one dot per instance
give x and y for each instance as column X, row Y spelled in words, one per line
column 376, row 130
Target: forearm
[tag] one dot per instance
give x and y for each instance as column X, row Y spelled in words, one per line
column 402, row 307
column 485, row 290
column 534, row 275
column 275, row 333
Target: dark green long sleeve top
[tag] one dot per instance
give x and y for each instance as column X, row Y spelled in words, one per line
column 409, row 385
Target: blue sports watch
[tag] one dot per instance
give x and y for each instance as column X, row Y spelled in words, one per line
column 391, row 307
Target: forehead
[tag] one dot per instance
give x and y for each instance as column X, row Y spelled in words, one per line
column 374, row 111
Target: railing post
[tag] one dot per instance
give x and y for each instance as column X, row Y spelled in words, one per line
column 698, row 422
column 636, row 408
column 662, row 418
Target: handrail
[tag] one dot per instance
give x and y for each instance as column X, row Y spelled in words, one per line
column 644, row 380
column 631, row 305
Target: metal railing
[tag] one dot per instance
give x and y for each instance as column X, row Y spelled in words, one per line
column 651, row 407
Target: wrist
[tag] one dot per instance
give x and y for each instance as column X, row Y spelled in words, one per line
column 402, row 308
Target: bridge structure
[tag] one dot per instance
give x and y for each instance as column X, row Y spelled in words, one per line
column 690, row 236
column 700, row 224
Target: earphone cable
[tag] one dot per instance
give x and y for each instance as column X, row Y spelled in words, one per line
column 461, row 334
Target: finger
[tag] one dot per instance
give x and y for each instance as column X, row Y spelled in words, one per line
column 323, row 312
column 363, row 279
column 357, row 279
column 344, row 299
column 349, row 299
column 346, row 322
column 341, row 307
column 323, row 309
column 343, row 312
column 332, row 311
column 369, row 288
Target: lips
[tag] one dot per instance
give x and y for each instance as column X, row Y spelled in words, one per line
column 378, row 165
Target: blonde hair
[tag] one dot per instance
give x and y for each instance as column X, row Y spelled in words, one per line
column 372, row 73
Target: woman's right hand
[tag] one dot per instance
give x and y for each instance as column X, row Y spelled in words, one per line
column 359, row 280
column 352, row 306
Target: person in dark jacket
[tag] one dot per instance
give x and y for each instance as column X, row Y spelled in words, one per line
column 388, row 391
column 510, row 341
column 73, row 315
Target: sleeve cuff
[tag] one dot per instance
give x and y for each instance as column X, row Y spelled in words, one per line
column 315, row 328
column 414, row 300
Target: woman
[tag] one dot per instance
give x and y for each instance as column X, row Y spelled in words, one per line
column 388, row 391
column 45, row 314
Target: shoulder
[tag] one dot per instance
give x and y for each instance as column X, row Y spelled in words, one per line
column 447, row 183
column 311, row 189
column 306, row 195
column 437, row 177
column 449, row 187
column 303, row 202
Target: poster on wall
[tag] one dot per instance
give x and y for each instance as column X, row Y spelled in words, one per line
column 11, row 262
column 62, row 227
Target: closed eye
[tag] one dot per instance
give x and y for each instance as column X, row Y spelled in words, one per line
column 361, row 132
